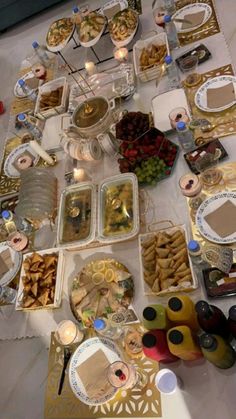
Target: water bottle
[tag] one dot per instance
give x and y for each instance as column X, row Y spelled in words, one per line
column 104, row 328
column 195, row 252
column 169, row 6
column 30, row 93
column 41, row 53
column 171, row 32
column 7, row 295
column 172, row 73
column 185, row 136
column 9, row 222
column 36, row 132
column 76, row 15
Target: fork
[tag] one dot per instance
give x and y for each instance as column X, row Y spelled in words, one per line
column 67, row 355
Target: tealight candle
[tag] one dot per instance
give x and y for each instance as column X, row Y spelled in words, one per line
column 68, row 332
column 41, row 152
column 90, row 68
column 121, row 54
column 79, row 175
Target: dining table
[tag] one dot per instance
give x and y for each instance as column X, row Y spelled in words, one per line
column 207, row 392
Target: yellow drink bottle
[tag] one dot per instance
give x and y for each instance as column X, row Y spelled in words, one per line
column 181, row 311
column 217, row 351
column 181, row 343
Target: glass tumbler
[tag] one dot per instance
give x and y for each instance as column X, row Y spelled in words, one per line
column 188, row 66
column 177, row 115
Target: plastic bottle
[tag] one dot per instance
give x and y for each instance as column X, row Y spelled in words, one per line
column 104, row 328
column 172, row 72
column 211, row 319
column 185, row 136
column 171, row 32
column 8, row 219
column 195, row 252
column 181, row 343
column 181, row 311
column 232, row 321
column 154, row 317
column 36, row 132
column 217, row 351
column 77, row 19
column 30, row 93
column 169, row 6
column 42, row 54
column 155, row 347
column 7, row 295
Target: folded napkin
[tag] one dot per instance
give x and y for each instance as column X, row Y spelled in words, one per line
column 3, row 267
column 223, row 219
column 195, row 19
column 220, row 96
column 93, row 374
column 6, row 257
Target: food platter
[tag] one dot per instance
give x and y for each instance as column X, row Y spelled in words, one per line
column 123, row 27
column 9, row 169
column 218, row 82
column 91, row 29
column 59, row 34
column 102, row 287
column 192, row 9
column 15, row 259
column 82, row 354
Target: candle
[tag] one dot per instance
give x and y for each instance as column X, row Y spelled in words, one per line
column 67, row 333
column 41, row 152
column 121, row 54
column 90, row 68
column 79, row 175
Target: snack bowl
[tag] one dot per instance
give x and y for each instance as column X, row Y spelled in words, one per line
column 33, row 293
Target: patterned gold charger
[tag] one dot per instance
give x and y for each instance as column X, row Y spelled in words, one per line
column 211, row 27
column 8, row 185
column 131, row 403
column 225, row 121
column 227, row 183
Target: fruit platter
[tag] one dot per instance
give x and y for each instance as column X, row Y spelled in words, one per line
column 144, row 149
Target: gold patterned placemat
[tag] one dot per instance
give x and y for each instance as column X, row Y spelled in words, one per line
column 133, row 403
column 211, row 27
column 9, row 185
column 225, row 121
column 227, row 183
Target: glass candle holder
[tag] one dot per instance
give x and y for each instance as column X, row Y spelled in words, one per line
column 121, row 54
column 67, row 333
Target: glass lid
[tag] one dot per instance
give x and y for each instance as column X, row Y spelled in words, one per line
column 91, row 111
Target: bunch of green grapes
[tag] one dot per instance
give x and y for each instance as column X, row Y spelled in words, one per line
column 151, row 170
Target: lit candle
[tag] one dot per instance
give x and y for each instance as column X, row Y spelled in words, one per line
column 79, row 175
column 121, row 54
column 41, row 152
column 67, row 333
column 90, row 68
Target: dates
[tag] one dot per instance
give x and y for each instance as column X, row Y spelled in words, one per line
column 132, row 126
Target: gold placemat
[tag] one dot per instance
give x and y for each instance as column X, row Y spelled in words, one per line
column 211, row 27
column 225, row 121
column 227, row 183
column 9, row 185
column 130, row 403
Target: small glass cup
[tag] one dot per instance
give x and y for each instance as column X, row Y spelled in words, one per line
column 188, row 66
column 190, row 185
column 177, row 115
column 126, row 376
column 167, row 381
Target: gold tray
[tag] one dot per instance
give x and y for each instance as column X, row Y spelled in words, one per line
column 211, row 27
column 225, row 121
column 133, row 403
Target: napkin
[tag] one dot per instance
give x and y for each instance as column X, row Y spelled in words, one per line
column 93, row 374
column 195, row 19
column 6, row 257
column 220, row 96
column 223, row 219
column 3, row 267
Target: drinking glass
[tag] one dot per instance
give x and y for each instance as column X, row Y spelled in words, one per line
column 158, row 14
column 209, row 173
column 188, row 66
column 176, row 115
column 126, row 376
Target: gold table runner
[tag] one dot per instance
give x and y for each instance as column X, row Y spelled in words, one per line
column 225, row 121
column 127, row 403
column 211, row 27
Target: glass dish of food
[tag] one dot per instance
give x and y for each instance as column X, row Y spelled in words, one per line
column 91, row 29
column 118, row 208
column 77, row 215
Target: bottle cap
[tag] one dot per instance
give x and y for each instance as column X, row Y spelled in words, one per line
column 176, row 337
column 175, row 304
column 149, row 340
column 99, row 324
column 202, row 307
column 21, row 82
column 35, row 44
column 21, row 117
column 6, row 214
column 181, row 125
column 167, row 18
column 232, row 313
column 193, row 246
column 168, row 59
column 75, row 9
column 208, row 342
column 149, row 313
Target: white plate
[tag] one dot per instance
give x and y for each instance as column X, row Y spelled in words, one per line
column 163, row 104
column 18, row 92
column 62, row 45
column 192, row 8
column 16, row 259
column 82, row 353
column 122, row 3
column 9, row 169
column 209, row 205
column 200, row 98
